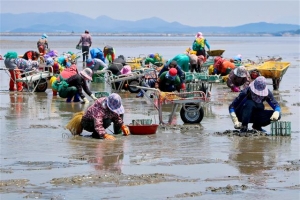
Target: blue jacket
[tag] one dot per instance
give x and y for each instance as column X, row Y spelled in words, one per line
column 245, row 95
column 97, row 53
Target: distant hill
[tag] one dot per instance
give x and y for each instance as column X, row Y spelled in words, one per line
column 65, row 22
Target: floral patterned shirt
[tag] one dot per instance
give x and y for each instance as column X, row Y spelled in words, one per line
column 99, row 111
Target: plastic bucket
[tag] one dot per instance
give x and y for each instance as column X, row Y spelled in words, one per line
column 143, row 129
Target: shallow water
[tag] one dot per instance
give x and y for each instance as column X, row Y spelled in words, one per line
column 40, row 159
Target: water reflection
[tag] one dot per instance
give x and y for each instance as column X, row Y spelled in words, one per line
column 103, row 155
column 17, row 104
column 107, row 156
column 253, row 156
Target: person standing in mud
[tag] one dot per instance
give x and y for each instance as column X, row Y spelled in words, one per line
column 249, row 107
column 42, row 44
column 199, row 45
column 99, row 116
column 86, row 40
column 109, row 53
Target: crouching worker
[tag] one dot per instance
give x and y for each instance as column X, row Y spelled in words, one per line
column 238, row 77
column 169, row 81
column 99, row 116
column 249, row 107
column 74, row 86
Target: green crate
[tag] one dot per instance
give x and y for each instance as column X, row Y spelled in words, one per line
column 214, row 78
column 281, row 128
column 99, row 80
column 101, row 94
column 201, row 76
column 189, row 77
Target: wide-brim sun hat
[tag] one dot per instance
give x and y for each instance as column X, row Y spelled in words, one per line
column 49, row 61
column 199, row 35
column 90, row 62
column 44, row 35
column 259, row 86
column 87, row 73
column 126, row 69
column 114, row 103
column 240, row 71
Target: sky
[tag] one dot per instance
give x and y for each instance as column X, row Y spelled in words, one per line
column 193, row 13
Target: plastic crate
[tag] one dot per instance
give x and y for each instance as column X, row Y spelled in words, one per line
column 281, row 128
column 141, row 121
column 99, row 79
column 101, row 94
column 189, row 77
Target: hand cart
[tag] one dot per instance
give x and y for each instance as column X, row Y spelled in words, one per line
column 271, row 69
column 35, row 81
column 191, row 102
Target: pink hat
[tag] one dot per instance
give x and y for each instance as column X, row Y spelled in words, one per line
column 199, row 35
column 126, row 69
column 87, row 73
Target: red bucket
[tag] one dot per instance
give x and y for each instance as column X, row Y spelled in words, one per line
column 143, row 129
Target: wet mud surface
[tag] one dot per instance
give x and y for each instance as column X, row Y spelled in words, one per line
column 210, row 160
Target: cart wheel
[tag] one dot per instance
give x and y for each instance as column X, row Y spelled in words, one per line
column 276, row 82
column 191, row 115
column 134, row 89
column 42, row 87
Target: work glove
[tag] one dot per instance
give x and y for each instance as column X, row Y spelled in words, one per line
column 125, row 130
column 85, row 100
column 109, row 137
column 275, row 116
column 235, row 89
column 93, row 97
column 237, row 124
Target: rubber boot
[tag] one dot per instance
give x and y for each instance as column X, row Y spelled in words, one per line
column 19, row 84
column 69, row 99
column 12, row 81
column 54, row 93
column 76, row 98
column 140, row 94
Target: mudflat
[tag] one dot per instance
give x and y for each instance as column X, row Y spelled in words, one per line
column 41, row 159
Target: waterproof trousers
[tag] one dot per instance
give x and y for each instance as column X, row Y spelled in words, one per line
column 15, row 74
column 252, row 112
column 88, row 125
